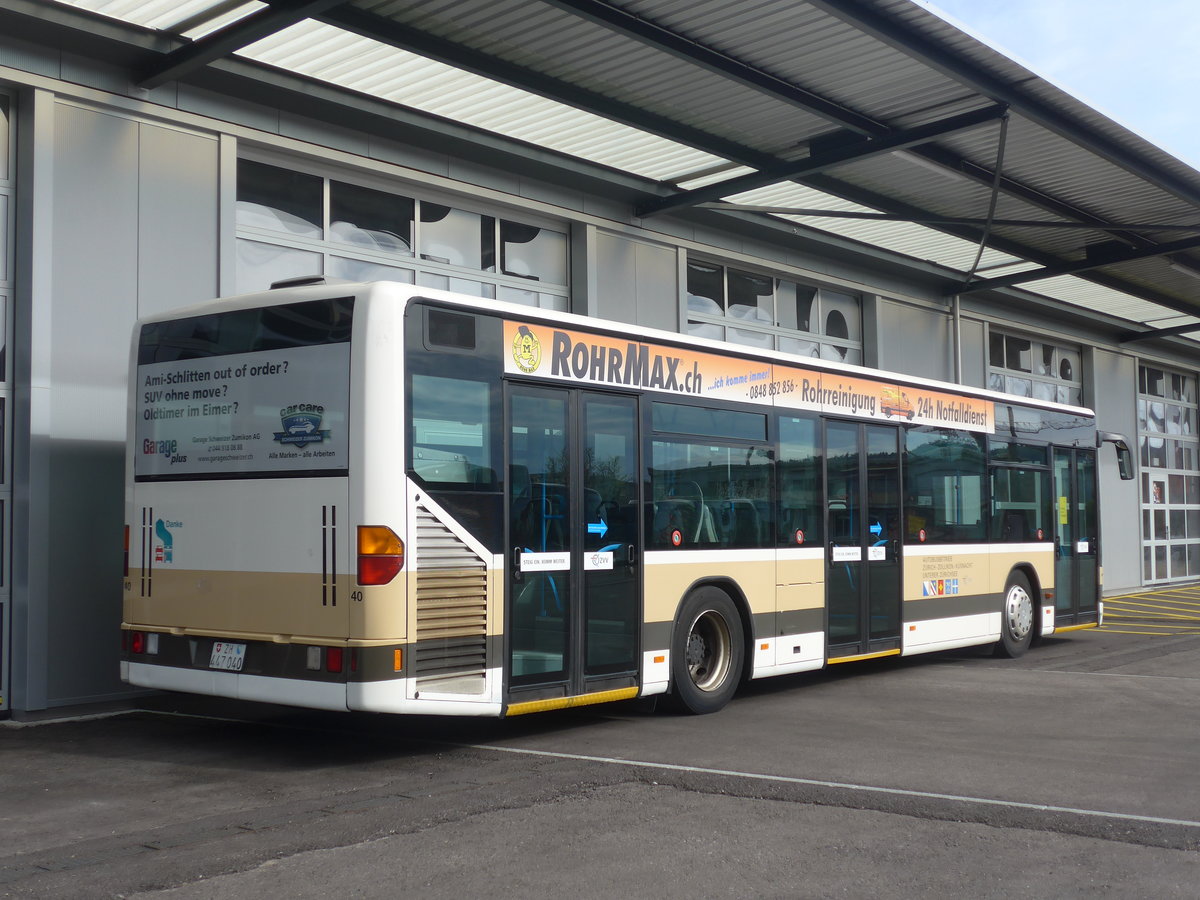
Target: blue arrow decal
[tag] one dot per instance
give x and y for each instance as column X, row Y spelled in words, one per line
column 600, row 528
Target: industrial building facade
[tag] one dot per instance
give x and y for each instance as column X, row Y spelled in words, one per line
column 118, row 200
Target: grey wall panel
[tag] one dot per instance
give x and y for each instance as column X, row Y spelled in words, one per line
column 178, row 228
column 636, row 282
column 94, row 279
column 1111, row 389
column 915, row 341
column 973, row 343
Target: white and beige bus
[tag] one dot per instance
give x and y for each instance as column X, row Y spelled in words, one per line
column 381, row 497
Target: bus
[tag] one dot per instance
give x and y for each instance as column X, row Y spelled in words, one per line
column 388, row 498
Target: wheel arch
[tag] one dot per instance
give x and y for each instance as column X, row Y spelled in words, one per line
column 1035, row 585
column 735, row 593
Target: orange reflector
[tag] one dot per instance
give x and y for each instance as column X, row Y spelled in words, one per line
column 380, row 554
column 398, row 660
column 912, row 627
column 378, row 540
column 660, row 659
column 764, row 646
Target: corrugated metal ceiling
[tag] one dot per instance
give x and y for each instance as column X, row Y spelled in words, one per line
column 673, row 90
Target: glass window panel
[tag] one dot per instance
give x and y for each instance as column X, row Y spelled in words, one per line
column 1193, row 553
column 1174, row 419
column 705, row 330
column 1193, row 488
column 995, row 382
column 1045, row 363
column 852, row 356
column 457, row 237
column 706, row 281
column 1071, row 395
column 458, row 285
column 1178, row 520
column 834, row 353
column 1178, row 560
column 1175, row 492
column 1187, row 421
column 532, row 298
column 1189, row 390
column 1160, row 524
column 944, row 485
column 1156, row 453
column 706, row 496
column 1143, row 419
column 1158, row 417
column 362, row 270
column 276, row 199
column 842, row 315
column 751, row 297
column 795, row 305
column 1068, row 365
column 1176, row 387
column 3, row 342
column 800, row 509
column 709, row 421
column 450, row 420
column 1018, row 355
column 1147, row 565
column 1145, row 523
column 996, row 350
column 1155, row 382
column 1022, row 387
column 760, row 339
column 370, row 219
column 538, row 254
column 5, row 130
column 799, row 347
column 4, row 276
column 1043, row 390
column 259, row 265
column 1160, row 563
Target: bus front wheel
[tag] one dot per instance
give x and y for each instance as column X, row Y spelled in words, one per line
column 1016, row 618
column 707, row 652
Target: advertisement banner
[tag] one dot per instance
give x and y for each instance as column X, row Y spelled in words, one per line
column 582, row 358
column 270, row 412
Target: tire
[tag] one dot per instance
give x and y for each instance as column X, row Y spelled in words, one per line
column 1017, row 618
column 708, row 651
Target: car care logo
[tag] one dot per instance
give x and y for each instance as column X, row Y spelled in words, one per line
column 302, row 425
column 526, row 350
column 164, row 547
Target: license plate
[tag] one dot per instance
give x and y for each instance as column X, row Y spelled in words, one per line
column 227, row 656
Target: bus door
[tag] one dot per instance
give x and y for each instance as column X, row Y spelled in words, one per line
column 573, row 583
column 1076, row 549
column 862, row 568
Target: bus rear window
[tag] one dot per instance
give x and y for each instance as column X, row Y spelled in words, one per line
column 248, row 393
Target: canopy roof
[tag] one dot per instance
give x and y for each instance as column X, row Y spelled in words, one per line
column 873, row 120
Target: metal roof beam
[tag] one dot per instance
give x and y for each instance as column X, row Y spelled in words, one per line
column 1129, row 337
column 896, row 33
column 819, row 162
column 1094, row 261
column 404, row 37
column 668, row 41
column 234, row 36
column 663, row 39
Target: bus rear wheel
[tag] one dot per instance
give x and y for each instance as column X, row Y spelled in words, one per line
column 708, row 651
column 1017, row 618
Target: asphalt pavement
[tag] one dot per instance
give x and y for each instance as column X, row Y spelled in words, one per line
column 1072, row 772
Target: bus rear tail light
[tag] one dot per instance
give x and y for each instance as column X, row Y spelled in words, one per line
column 380, row 554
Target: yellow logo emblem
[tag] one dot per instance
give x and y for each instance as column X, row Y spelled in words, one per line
column 526, row 350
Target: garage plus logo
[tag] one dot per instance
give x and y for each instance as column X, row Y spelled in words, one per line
column 302, row 425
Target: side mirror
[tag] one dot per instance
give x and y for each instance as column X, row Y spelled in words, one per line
column 1124, row 453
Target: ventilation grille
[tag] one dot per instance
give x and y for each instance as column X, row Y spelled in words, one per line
column 451, row 645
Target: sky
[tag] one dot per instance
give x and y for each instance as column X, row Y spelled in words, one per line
column 1136, row 61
